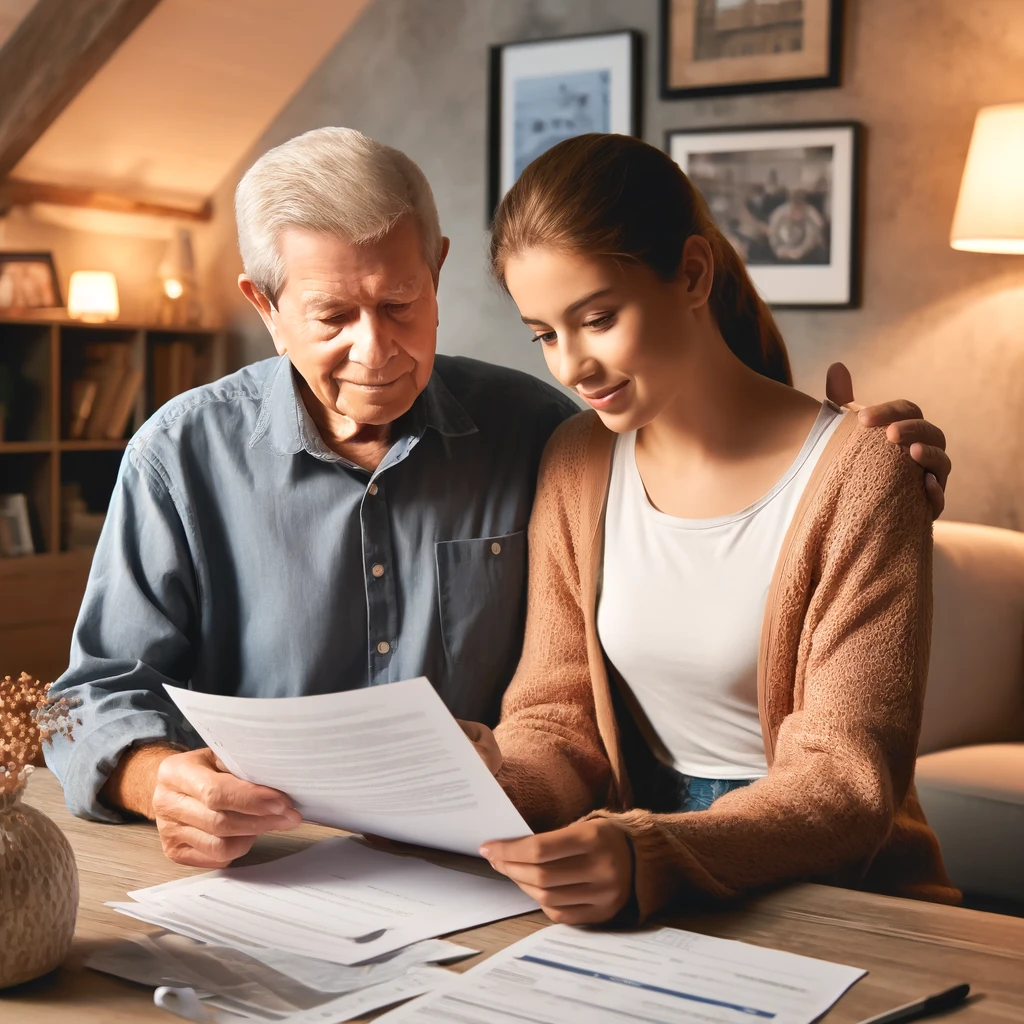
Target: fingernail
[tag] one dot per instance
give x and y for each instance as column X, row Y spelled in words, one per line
column 485, row 852
column 277, row 807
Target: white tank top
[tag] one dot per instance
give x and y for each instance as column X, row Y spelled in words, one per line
column 681, row 608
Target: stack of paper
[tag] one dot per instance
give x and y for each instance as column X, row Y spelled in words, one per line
column 339, row 900
column 663, row 975
column 210, row 982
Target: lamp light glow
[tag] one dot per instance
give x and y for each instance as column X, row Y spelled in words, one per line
column 92, row 296
column 990, row 208
column 173, row 288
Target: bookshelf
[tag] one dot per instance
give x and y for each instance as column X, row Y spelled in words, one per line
column 40, row 360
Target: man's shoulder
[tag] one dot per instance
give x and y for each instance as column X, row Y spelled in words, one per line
column 488, row 392
column 228, row 405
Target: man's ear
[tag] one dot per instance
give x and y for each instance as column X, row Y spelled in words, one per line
column 446, row 244
column 264, row 307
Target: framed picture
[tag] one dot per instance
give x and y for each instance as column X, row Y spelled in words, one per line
column 786, row 196
column 28, row 280
column 15, row 528
column 545, row 91
column 717, row 47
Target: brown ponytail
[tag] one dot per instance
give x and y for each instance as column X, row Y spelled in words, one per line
column 613, row 195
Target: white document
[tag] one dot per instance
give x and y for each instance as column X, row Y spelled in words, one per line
column 665, row 975
column 389, row 760
column 339, row 900
column 167, row 959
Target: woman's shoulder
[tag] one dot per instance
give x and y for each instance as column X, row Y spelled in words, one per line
column 867, row 475
column 576, row 442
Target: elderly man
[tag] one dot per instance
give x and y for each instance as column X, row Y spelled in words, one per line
column 347, row 514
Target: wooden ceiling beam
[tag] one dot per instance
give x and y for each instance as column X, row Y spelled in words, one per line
column 55, row 50
column 15, row 192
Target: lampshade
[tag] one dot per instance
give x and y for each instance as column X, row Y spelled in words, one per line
column 92, row 296
column 990, row 210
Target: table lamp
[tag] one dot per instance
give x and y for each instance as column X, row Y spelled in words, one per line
column 92, row 296
column 990, row 209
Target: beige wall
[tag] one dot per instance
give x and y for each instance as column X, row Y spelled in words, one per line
column 942, row 327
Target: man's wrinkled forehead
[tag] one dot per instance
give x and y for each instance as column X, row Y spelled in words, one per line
column 314, row 300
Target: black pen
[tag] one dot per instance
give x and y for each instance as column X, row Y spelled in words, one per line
column 922, row 1007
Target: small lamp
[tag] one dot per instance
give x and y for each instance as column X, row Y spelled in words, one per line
column 990, row 209
column 92, row 296
column 178, row 302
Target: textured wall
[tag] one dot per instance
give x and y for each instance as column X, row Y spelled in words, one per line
column 943, row 327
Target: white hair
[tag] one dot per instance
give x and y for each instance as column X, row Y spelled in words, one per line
column 332, row 180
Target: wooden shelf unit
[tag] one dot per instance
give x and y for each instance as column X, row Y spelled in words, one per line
column 40, row 594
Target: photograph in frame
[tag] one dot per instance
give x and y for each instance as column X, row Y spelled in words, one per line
column 718, row 47
column 28, row 281
column 545, row 91
column 786, row 199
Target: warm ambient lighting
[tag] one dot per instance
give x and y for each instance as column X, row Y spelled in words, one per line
column 92, row 296
column 990, row 210
column 173, row 288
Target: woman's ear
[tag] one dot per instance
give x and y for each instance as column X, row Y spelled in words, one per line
column 696, row 271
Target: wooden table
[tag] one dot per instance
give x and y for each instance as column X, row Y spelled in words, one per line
column 910, row 949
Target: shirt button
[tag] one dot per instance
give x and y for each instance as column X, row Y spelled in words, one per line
column 372, row 489
column 383, row 647
column 495, row 548
column 378, row 570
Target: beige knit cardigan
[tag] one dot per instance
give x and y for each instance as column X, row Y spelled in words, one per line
column 841, row 679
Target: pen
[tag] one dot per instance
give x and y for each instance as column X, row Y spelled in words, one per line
column 922, row 1007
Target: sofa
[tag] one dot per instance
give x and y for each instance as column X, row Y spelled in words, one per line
column 970, row 768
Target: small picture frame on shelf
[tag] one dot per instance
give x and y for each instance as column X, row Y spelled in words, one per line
column 786, row 197
column 722, row 47
column 15, row 527
column 28, row 282
column 545, row 91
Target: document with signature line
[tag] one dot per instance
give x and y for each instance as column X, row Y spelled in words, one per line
column 663, row 976
column 389, row 760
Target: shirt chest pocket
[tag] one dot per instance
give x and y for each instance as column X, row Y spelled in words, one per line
column 481, row 590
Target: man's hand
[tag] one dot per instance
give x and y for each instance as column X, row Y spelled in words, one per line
column 206, row 817
column 581, row 874
column 906, row 426
column 486, row 745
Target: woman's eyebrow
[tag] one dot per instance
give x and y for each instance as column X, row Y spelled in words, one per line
column 569, row 310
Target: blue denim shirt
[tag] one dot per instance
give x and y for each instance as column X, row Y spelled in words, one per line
column 242, row 556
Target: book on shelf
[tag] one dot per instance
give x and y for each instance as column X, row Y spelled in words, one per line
column 124, row 404
column 83, row 395
column 15, row 527
column 110, row 362
column 103, row 399
column 174, row 370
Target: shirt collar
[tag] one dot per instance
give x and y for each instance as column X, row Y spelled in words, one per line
column 286, row 427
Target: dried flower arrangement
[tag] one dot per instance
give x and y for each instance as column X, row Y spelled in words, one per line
column 28, row 719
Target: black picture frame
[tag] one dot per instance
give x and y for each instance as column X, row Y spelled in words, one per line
column 854, row 251
column 829, row 80
column 496, row 63
column 45, row 258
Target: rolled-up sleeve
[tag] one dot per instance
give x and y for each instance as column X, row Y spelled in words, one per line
column 136, row 630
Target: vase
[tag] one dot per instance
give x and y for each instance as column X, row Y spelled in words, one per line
column 38, row 891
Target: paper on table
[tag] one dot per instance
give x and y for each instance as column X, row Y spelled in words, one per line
column 323, row 901
column 232, row 981
column 389, row 760
column 165, row 958
column 562, row 973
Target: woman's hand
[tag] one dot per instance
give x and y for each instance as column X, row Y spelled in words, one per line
column 581, row 874
column 486, row 745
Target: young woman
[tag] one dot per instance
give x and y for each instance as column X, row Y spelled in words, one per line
column 729, row 607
